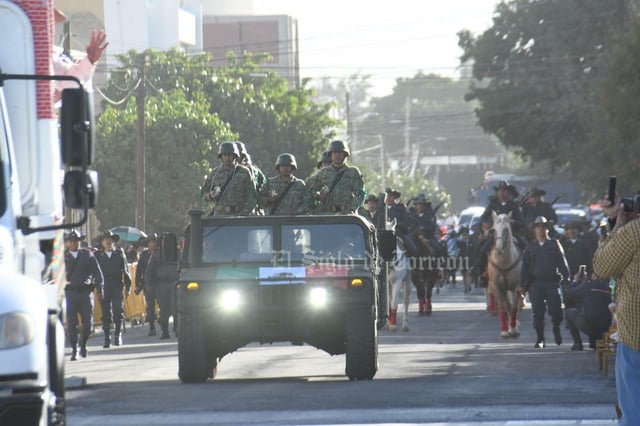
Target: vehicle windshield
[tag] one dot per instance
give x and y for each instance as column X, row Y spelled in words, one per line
column 318, row 242
column 237, row 243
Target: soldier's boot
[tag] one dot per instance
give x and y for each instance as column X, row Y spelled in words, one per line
column 577, row 340
column 83, row 345
column 164, row 325
column 152, row 328
column 557, row 336
column 74, row 351
column 421, row 303
column 427, row 307
column 117, row 336
column 540, row 337
column 107, row 335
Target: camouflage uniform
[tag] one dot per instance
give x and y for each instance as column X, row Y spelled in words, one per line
column 239, row 198
column 347, row 195
column 296, row 201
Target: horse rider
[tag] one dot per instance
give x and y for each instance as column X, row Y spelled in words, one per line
column 396, row 210
column 370, row 210
column 544, row 267
column 285, row 194
column 502, row 204
column 231, row 186
column 535, row 206
column 338, row 188
column 83, row 275
column 575, row 248
column 259, row 177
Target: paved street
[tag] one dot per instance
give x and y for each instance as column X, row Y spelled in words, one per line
column 450, row 368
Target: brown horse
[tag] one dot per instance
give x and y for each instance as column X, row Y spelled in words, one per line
column 505, row 262
column 424, row 273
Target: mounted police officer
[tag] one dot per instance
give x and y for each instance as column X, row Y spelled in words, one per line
column 502, row 204
column 230, row 186
column 396, row 210
column 338, row 188
column 285, row 194
column 83, row 275
column 141, row 283
column 259, row 178
column 535, row 207
column 370, row 210
column 115, row 270
column 422, row 220
column 544, row 267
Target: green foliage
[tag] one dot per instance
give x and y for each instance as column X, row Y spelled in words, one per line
column 537, row 73
column 191, row 108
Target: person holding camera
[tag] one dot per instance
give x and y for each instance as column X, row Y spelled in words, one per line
column 619, row 256
column 587, row 308
column 544, row 267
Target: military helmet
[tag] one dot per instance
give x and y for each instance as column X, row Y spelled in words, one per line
column 338, row 145
column 286, row 159
column 326, row 158
column 242, row 149
column 228, row 148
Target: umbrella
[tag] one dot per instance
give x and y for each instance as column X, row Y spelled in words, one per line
column 128, row 233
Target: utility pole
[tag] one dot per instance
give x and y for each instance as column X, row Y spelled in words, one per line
column 141, row 93
column 349, row 121
column 383, row 169
column 407, row 118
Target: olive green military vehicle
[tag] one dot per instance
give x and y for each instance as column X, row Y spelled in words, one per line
column 303, row 279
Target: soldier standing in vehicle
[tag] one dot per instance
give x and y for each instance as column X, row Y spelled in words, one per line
column 544, row 267
column 338, row 188
column 142, row 285
column 115, row 270
column 259, row 178
column 230, row 186
column 83, row 275
column 285, row 194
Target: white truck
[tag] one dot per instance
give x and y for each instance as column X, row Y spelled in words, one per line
column 34, row 192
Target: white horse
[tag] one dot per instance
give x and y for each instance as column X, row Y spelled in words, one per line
column 400, row 278
column 505, row 262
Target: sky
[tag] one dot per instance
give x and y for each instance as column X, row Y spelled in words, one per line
column 386, row 39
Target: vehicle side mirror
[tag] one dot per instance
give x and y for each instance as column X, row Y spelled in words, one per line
column 169, row 248
column 77, row 130
column 81, row 188
column 386, row 244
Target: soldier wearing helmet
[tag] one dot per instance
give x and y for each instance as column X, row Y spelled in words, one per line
column 285, row 194
column 258, row 176
column 338, row 188
column 230, row 186
column 325, row 161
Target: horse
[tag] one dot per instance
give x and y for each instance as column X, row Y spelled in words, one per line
column 424, row 274
column 400, row 278
column 505, row 262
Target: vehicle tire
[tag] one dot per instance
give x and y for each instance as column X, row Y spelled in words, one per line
column 193, row 363
column 55, row 346
column 361, row 345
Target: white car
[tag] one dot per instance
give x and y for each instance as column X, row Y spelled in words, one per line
column 469, row 217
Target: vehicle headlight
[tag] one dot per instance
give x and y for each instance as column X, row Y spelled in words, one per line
column 16, row 329
column 318, row 297
column 230, row 300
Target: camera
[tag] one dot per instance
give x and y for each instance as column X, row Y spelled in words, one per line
column 631, row 204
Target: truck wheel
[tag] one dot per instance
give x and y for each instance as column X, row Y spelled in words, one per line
column 193, row 364
column 55, row 346
column 362, row 345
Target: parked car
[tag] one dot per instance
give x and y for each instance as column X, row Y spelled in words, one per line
column 469, row 217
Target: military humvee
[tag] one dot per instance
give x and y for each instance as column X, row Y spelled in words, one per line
column 303, row 279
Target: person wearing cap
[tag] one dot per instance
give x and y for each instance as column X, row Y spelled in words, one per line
column 83, row 276
column 115, row 270
column 502, row 204
column 396, row 210
column 338, row 188
column 150, row 297
column 575, row 248
column 544, row 268
column 285, row 194
column 230, row 186
column 535, row 206
column 259, row 178
column 84, row 68
column 370, row 209
column 325, row 161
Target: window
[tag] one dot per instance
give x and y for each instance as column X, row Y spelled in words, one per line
column 237, row 243
column 343, row 241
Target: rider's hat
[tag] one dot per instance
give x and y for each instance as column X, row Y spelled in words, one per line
column 109, row 234
column 541, row 220
column 421, row 199
column 372, row 197
column 393, row 192
column 503, row 184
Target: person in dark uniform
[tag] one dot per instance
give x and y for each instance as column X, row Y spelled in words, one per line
column 575, row 249
column 115, row 270
column 149, row 296
column 422, row 219
column 370, row 210
column 162, row 275
column 536, row 206
column 544, row 267
column 395, row 209
column 466, row 250
column 83, row 275
column 502, row 204
column 589, row 309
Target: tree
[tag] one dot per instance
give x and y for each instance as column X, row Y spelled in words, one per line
column 536, row 75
